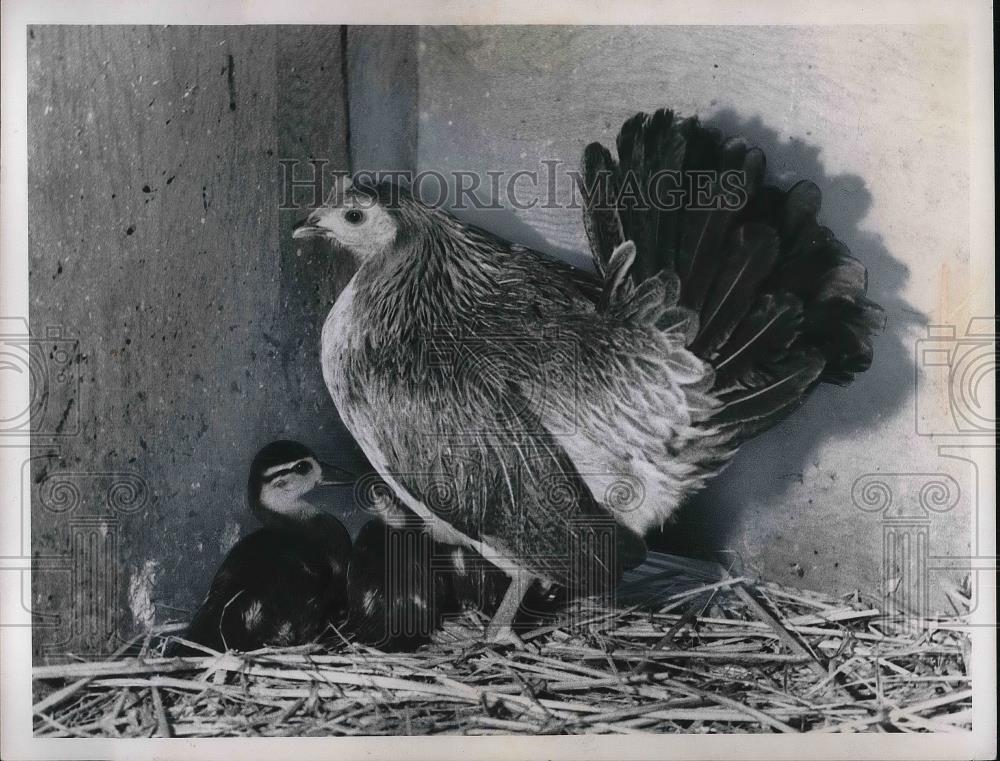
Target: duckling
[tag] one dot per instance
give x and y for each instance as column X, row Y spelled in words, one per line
column 396, row 597
column 476, row 584
column 285, row 583
column 402, row 585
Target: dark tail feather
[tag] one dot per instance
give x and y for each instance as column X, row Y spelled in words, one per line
column 842, row 330
column 819, row 269
column 651, row 151
column 781, row 301
column 600, row 191
column 779, row 389
column 705, row 231
column 749, row 258
column 768, row 331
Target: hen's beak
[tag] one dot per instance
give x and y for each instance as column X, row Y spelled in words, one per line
column 335, row 476
column 306, row 229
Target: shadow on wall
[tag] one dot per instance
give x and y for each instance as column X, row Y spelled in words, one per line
column 765, row 468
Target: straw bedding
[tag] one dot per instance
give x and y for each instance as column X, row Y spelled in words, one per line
column 687, row 647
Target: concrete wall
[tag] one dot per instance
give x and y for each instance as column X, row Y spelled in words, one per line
column 877, row 117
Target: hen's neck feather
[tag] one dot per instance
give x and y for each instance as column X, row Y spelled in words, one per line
column 435, row 276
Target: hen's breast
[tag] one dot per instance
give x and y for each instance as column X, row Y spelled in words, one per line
column 340, row 338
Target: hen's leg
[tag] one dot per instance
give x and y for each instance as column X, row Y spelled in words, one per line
column 501, row 628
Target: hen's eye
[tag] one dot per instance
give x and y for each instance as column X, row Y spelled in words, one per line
column 354, row 216
column 302, row 467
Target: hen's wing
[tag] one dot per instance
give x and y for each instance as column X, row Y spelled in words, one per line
column 467, row 449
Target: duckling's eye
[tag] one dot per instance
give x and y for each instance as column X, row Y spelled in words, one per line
column 302, row 468
column 355, row 217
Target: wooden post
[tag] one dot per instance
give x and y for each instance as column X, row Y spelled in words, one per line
column 156, row 242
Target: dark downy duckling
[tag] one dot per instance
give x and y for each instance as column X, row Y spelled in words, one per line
column 402, row 585
column 285, row 583
column 397, row 591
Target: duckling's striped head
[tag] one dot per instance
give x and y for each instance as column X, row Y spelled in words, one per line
column 282, row 474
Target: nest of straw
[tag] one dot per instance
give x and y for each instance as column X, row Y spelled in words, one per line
column 688, row 647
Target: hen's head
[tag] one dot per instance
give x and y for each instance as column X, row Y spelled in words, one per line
column 367, row 219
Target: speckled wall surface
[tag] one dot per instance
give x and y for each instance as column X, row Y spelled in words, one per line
column 877, row 117
column 157, row 247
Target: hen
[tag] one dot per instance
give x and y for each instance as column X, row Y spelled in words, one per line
column 547, row 416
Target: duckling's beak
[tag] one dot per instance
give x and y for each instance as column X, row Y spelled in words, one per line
column 334, row 475
column 306, row 229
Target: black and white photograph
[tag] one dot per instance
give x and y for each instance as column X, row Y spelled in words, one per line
column 563, row 382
